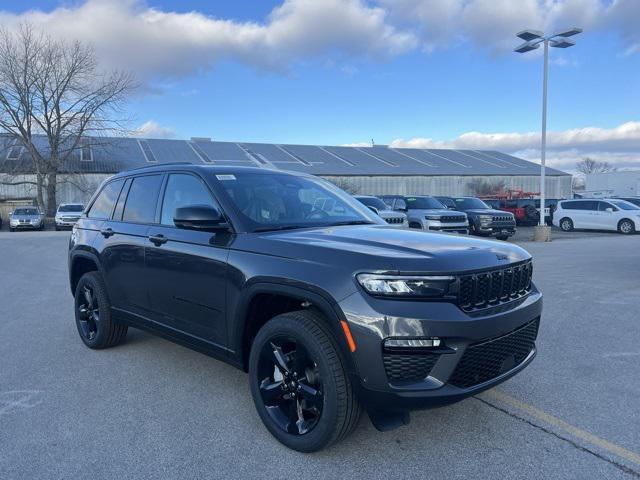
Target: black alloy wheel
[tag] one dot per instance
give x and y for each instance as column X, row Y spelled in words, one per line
column 88, row 313
column 93, row 314
column 290, row 385
column 299, row 382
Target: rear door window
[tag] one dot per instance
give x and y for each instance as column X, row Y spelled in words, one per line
column 103, row 205
column 142, row 199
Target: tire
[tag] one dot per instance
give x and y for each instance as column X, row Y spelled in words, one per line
column 415, row 225
column 502, row 237
column 566, row 224
column 57, row 228
column 12, row 229
column 310, row 356
column 96, row 327
column 626, row 227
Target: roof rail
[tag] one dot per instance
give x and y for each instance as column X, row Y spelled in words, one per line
column 158, row 165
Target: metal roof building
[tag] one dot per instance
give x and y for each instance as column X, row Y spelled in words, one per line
column 367, row 170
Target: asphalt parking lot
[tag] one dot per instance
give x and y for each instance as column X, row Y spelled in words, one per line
column 153, row 409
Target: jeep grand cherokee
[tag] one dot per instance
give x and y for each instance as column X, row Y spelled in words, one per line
column 328, row 309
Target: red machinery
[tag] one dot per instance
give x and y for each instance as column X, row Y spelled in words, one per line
column 520, row 203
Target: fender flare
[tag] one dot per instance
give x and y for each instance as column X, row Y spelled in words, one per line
column 318, row 298
column 88, row 255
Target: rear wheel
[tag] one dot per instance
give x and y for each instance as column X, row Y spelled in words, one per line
column 566, row 224
column 626, row 226
column 93, row 314
column 299, row 384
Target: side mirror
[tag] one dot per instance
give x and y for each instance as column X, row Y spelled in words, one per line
column 609, row 209
column 373, row 209
column 199, row 217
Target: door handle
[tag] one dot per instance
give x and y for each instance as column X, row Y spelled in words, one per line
column 107, row 232
column 158, row 240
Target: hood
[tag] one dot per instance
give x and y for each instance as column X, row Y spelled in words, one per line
column 391, row 214
column 25, row 217
column 384, row 249
column 481, row 211
column 433, row 211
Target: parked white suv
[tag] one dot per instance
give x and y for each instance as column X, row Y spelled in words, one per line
column 600, row 214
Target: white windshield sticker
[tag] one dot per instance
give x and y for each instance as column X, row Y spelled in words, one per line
column 226, row 177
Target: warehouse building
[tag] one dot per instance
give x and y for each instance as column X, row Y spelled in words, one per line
column 363, row 170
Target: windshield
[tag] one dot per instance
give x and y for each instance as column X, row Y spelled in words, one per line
column 374, row 202
column 469, row 203
column 625, row 205
column 274, row 201
column 415, row 203
column 70, row 208
column 26, row 211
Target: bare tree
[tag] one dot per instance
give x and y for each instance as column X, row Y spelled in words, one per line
column 345, row 184
column 589, row 165
column 54, row 91
column 481, row 187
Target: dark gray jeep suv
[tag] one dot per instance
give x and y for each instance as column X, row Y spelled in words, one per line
column 328, row 309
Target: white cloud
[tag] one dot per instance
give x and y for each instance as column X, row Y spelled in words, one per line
column 130, row 34
column 152, row 129
column 619, row 145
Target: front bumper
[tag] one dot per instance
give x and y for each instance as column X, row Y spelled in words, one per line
column 65, row 223
column 371, row 321
column 497, row 230
column 25, row 226
column 437, row 226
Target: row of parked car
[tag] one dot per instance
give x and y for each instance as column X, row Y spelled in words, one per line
column 497, row 218
column 31, row 218
column 443, row 214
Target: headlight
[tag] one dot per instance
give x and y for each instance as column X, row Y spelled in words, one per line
column 406, row 286
column 485, row 218
column 432, row 217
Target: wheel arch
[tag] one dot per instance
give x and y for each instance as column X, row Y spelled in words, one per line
column 625, row 219
column 254, row 310
column 81, row 263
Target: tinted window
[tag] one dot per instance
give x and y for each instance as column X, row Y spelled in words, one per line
column 569, row 205
column 424, row 203
column 268, row 200
column 26, row 211
column 602, row 206
column 70, row 208
column 400, row 204
column 591, row 205
column 447, row 202
column 103, row 206
column 183, row 190
column 142, row 199
column 388, row 201
column 372, row 202
column 467, row 203
column 625, row 205
column 117, row 213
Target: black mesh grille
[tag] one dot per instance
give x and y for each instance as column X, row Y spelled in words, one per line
column 452, row 219
column 483, row 361
column 486, row 289
column 409, row 366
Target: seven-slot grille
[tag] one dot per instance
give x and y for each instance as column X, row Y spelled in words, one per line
column 493, row 287
column 486, row 360
column 395, row 221
column 503, row 218
column 452, row 219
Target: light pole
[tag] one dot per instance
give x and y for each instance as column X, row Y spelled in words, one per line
column 532, row 40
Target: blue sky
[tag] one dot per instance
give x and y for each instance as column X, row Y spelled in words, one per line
column 403, row 72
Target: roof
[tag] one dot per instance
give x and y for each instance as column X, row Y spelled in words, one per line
column 112, row 155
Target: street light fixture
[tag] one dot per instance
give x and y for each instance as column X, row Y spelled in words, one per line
column 532, row 41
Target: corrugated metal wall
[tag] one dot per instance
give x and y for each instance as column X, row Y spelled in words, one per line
column 556, row 187
column 79, row 188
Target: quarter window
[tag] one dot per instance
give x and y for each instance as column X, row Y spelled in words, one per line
column 142, row 199
column 183, row 190
column 104, row 203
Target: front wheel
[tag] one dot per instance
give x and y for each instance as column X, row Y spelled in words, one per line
column 627, row 227
column 502, row 237
column 299, row 384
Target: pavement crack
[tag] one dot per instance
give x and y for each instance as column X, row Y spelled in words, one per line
column 624, row 468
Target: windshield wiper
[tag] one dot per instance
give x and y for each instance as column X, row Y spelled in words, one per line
column 351, row 222
column 274, row 228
